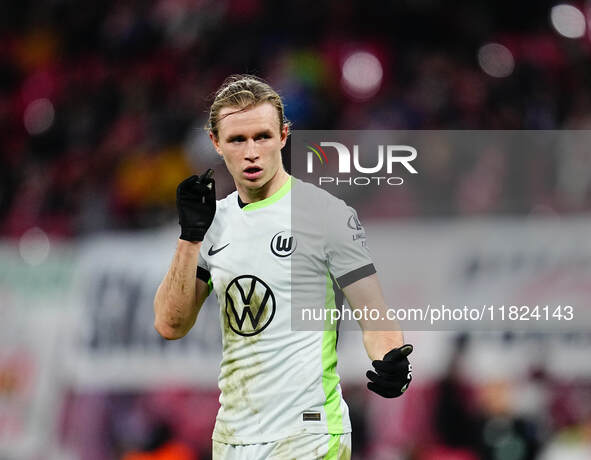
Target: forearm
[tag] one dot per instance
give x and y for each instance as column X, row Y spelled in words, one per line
column 175, row 303
column 378, row 343
column 383, row 341
column 379, row 336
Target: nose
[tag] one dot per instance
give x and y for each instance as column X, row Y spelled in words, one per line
column 251, row 151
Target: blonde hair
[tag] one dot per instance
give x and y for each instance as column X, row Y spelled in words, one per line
column 243, row 91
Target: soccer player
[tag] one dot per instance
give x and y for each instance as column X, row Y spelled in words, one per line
column 280, row 393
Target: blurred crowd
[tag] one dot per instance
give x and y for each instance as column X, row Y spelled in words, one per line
column 102, row 113
column 103, row 106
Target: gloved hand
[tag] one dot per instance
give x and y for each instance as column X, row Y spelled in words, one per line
column 394, row 373
column 195, row 201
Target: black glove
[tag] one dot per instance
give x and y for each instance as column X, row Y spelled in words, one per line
column 394, row 373
column 195, row 201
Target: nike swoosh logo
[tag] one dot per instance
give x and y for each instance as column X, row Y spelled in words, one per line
column 213, row 252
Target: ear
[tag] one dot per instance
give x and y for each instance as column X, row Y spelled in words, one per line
column 284, row 134
column 216, row 144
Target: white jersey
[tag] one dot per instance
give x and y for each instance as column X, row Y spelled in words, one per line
column 276, row 382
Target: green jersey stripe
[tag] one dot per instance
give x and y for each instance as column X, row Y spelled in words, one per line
column 330, row 379
column 333, row 447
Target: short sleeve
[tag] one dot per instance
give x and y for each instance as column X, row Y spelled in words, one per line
column 202, row 266
column 346, row 249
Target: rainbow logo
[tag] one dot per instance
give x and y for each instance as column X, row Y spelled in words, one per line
column 318, row 150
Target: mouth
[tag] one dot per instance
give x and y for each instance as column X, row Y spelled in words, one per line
column 252, row 172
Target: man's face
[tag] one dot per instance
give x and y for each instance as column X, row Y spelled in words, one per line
column 250, row 142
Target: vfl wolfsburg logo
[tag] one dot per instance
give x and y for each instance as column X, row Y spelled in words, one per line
column 250, row 305
column 283, row 244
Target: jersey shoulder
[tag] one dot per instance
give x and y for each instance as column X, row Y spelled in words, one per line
column 224, row 210
column 226, row 207
column 228, row 203
column 311, row 195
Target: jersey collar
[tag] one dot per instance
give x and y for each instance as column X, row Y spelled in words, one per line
column 271, row 199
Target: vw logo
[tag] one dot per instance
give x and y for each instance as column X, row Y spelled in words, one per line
column 250, row 305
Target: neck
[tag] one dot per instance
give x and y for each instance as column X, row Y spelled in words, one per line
column 248, row 195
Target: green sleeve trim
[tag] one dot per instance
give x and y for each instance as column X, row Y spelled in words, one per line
column 330, row 379
column 209, row 286
column 270, row 200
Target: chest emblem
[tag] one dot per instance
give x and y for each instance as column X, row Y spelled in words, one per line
column 283, row 244
column 250, row 305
